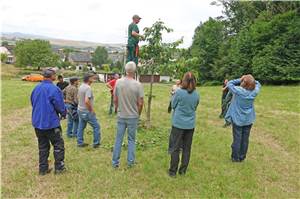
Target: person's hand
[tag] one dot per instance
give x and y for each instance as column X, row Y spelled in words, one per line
column 142, row 37
column 242, row 78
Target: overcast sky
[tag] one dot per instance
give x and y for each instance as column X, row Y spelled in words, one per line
column 103, row 21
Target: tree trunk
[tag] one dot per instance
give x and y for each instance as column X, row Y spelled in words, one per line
column 148, row 124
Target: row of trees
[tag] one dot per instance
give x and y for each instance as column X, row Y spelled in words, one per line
column 258, row 37
column 38, row 53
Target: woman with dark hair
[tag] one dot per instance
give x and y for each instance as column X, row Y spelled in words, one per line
column 184, row 104
column 241, row 114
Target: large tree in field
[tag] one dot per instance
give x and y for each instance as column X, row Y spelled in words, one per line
column 100, row 56
column 156, row 55
column 36, row 53
column 206, row 42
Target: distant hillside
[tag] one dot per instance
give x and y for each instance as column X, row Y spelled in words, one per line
column 15, row 36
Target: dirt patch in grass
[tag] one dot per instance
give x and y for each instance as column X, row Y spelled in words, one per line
column 16, row 119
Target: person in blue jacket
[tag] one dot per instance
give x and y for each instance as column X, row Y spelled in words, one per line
column 47, row 107
column 184, row 103
column 241, row 114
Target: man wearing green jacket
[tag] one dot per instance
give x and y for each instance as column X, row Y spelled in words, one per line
column 133, row 40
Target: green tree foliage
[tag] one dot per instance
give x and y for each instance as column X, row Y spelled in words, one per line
column 206, row 42
column 100, row 56
column 36, row 53
column 156, row 56
column 4, row 43
column 116, row 67
column 106, row 67
column 257, row 37
column 277, row 53
column 3, row 57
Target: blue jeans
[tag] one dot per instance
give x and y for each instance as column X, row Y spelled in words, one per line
column 240, row 141
column 72, row 124
column 84, row 118
column 131, row 125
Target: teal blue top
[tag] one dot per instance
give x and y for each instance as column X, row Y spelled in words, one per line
column 184, row 105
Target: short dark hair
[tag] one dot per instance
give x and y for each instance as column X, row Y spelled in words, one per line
column 60, row 77
column 189, row 82
column 87, row 76
column 73, row 80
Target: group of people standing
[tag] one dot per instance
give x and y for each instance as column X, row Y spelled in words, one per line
column 51, row 103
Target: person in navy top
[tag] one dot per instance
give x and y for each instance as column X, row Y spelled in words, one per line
column 47, row 107
column 184, row 103
column 241, row 113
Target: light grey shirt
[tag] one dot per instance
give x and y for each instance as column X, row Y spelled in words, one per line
column 85, row 91
column 128, row 92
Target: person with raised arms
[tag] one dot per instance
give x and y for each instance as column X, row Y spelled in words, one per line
column 241, row 113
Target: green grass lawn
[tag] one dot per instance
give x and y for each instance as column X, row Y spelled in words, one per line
column 270, row 171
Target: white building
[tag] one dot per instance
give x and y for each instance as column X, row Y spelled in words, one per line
column 10, row 56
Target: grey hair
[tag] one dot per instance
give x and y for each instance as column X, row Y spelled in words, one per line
column 130, row 67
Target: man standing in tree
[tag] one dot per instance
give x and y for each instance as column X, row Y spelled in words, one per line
column 133, row 40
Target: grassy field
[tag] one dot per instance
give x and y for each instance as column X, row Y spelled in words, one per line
column 271, row 170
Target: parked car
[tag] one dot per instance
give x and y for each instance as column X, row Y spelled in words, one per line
column 33, row 78
column 67, row 79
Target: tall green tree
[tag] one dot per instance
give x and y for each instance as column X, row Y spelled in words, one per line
column 205, row 47
column 257, row 37
column 100, row 56
column 276, row 56
column 36, row 53
column 156, row 55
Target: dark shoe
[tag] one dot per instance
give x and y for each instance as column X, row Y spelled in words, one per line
column 235, row 160
column 83, row 145
column 42, row 173
column 172, row 174
column 115, row 166
column 95, row 146
column 182, row 173
column 60, row 171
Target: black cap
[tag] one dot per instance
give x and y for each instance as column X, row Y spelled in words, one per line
column 48, row 72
